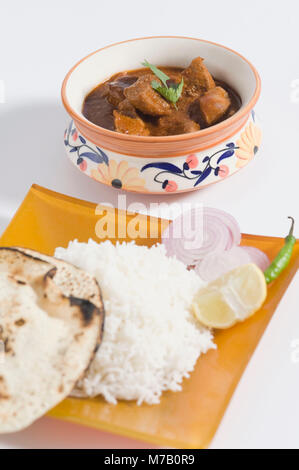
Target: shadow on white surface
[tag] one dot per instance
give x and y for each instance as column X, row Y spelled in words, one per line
column 32, row 143
column 49, row 433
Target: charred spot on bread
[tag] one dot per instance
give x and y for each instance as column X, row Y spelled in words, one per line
column 78, row 336
column 20, row 322
column 3, row 389
column 86, row 308
column 4, row 396
column 8, row 346
column 51, row 273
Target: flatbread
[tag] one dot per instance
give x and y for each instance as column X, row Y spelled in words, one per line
column 49, row 337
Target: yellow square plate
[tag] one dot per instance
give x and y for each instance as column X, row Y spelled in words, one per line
column 186, row 419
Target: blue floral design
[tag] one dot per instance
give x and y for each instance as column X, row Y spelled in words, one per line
column 83, row 150
column 198, row 176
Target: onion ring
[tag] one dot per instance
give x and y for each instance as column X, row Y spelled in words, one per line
column 196, row 233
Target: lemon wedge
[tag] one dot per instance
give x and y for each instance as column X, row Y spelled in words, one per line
column 231, row 298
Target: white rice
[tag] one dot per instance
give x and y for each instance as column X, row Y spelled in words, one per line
column 151, row 341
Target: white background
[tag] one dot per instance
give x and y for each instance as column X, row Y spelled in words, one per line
column 39, row 42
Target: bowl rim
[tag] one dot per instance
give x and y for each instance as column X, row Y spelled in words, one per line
column 171, row 138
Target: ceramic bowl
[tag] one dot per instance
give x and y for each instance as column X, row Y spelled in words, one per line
column 171, row 164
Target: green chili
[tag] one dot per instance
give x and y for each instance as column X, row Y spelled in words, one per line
column 282, row 259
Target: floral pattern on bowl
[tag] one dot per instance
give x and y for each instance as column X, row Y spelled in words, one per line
column 192, row 170
column 119, row 175
column 164, row 175
column 248, row 144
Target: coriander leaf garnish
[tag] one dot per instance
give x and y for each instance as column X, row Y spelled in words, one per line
column 171, row 93
column 161, row 75
column 179, row 88
column 156, row 84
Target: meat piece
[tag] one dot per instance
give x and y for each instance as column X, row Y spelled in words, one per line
column 214, row 104
column 128, row 125
column 125, row 107
column 197, row 78
column 174, row 73
column 145, row 98
column 176, row 123
column 184, row 103
column 115, row 92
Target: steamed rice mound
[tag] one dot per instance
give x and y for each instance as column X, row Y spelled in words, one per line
column 151, row 341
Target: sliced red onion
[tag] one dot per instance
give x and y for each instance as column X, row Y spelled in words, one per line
column 258, row 257
column 216, row 264
column 196, row 233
